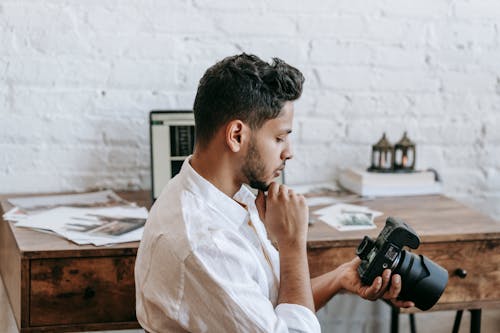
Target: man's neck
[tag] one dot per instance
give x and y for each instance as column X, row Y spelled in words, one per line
column 216, row 168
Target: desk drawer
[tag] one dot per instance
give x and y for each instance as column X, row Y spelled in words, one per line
column 91, row 290
column 481, row 260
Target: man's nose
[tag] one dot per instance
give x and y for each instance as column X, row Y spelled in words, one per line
column 287, row 153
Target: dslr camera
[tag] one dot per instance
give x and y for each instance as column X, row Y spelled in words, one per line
column 423, row 281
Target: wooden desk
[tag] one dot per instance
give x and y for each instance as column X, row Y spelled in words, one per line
column 452, row 235
column 55, row 285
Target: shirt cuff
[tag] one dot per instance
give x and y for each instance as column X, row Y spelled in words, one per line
column 298, row 318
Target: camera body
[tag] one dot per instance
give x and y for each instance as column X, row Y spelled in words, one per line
column 385, row 251
column 423, row 281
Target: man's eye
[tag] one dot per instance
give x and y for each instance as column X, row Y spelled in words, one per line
column 280, row 139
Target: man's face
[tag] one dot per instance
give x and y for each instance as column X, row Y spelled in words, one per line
column 268, row 150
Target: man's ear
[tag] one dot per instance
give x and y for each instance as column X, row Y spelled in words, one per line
column 236, row 134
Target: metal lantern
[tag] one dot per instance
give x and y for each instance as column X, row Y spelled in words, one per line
column 404, row 155
column 382, row 156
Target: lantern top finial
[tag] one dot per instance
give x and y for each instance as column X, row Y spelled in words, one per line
column 405, row 141
column 383, row 143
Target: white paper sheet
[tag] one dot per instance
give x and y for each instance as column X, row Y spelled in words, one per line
column 345, row 217
column 91, row 199
column 97, row 226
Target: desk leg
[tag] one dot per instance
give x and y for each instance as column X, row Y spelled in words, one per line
column 475, row 321
column 394, row 319
column 413, row 327
column 458, row 319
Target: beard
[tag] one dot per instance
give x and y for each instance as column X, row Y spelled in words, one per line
column 254, row 168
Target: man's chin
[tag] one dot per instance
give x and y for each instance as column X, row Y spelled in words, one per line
column 258, row 185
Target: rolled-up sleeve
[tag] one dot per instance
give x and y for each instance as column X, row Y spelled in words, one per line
column 298, row 318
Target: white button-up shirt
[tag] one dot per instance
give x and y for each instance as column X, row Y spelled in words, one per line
column 205, row 264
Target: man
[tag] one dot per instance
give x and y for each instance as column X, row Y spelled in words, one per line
column 206, row 262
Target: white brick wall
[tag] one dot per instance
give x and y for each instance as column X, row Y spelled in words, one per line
column 78, row 78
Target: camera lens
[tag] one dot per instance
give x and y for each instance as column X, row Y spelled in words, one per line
column 423, row 281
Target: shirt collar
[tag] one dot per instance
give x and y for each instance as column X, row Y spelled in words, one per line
column 199, row 186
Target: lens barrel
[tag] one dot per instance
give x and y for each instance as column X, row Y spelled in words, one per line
column 423, row 281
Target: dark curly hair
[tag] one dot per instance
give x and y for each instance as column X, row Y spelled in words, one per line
column 243, row 87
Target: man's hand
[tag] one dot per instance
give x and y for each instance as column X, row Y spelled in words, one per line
column 285, row 215
column 350, row 281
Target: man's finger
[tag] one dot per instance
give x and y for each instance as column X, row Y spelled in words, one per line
column 272, row 190
column 402, row 304
column 386, row 277
column 395, row 288
column 373, row 291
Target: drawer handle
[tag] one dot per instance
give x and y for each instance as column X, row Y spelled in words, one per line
column 88, row 293
column 461, row 273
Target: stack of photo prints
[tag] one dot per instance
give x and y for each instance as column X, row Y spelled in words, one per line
column 98, row 218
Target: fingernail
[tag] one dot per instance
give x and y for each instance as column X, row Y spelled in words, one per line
column 397, row 279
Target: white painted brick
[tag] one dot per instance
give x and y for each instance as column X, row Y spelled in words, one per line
column 341, row 27
column 480, row 10
column 22, row 15
column 323, row 130
column 130, row 103
column 396, row 31
column 239, row 24
column 33, row 101
column 308, row 157
column 417, row 9
column 345, row 155
column 60, row 71
column 454, row 104
column 448, row 132
column 181, row 21
column 369, row 131
column 463, row 34
column 52, row 43
column 330, row 105
column 4, row 96
column 316, row 7
column 134, row 74
column 463, row 82
column 224, row 6
column 492, row 128
column 489, row 156
column 455, row 59
column 405, row 80
column 462, row 179
column 429, row 156
column 128, row 18
column 492, row 181
column 488, row 59
column 345, row 78
column 359, row 105
column 336, row 52
column 183, row 100
column 189, row 75
column 427, row 105
column 463, row 158
column 399, row 57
